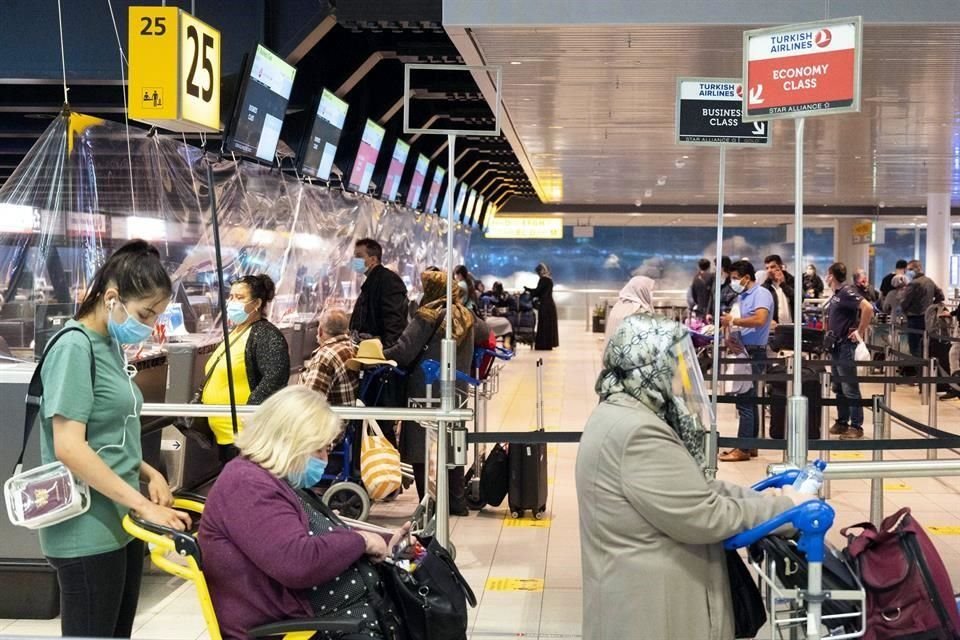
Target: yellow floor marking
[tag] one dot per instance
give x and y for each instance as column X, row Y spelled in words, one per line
column 847, row 455
column 947, row 530
column 527, row 523
column 896, row 485
column 514, row 584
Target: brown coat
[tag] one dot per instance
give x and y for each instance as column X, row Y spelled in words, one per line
column 651, row 528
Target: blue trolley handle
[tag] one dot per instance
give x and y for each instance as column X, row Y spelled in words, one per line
column 813, row 519
column 778, row 481
column 431, row 373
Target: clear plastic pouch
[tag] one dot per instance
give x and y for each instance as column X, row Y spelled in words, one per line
column 45, row 496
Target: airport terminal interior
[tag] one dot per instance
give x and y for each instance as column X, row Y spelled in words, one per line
column 691, row 241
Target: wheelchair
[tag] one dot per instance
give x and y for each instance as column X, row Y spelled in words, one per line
column 163, row 541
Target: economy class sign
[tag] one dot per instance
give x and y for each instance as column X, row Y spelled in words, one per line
column 802, row 69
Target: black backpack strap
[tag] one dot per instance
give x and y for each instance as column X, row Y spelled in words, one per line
column 35, row 390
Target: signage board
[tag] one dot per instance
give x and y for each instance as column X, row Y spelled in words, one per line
column 802, row 69
column 174, row 66
column 517, row 228
column 863, row 232
column 709, row 113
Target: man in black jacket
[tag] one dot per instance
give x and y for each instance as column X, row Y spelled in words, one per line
column 701, row 290
column 381, row 309
column 918, row 296
column 781, row 285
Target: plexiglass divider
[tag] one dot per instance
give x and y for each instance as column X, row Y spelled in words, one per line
column 85, row 188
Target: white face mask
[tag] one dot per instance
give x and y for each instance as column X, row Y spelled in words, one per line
column 737, row 286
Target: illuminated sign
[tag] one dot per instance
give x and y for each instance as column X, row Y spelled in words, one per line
column 526, row 228
column 174, row 70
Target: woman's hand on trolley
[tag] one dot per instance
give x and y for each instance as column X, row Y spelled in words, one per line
column 157, row 486
column 164, row 516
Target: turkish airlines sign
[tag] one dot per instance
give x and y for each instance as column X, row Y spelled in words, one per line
column 802, row 69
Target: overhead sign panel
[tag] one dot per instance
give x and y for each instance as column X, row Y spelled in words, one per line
column 516, row 228
column 174, row 70
column 802, row 69
column 709, row 113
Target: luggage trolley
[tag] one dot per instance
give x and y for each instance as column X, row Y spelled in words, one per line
column 424, row 517
column 837, row 614
column 487, row 372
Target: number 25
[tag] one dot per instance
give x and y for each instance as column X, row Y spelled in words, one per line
column 192, row 87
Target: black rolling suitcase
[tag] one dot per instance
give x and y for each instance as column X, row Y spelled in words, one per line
column 528, row 467
column 778, row 411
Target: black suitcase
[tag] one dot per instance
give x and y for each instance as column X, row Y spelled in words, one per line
column 940, row 349
column 528, row 467
column 810, row 388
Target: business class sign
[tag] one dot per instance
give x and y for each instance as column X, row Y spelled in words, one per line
column 802, row 69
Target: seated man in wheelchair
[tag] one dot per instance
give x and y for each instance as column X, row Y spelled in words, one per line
column 271, row 550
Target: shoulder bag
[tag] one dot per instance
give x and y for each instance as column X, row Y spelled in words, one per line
column 48, row 494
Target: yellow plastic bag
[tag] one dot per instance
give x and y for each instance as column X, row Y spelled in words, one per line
column 379, row 462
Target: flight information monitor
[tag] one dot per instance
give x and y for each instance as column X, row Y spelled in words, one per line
column 399, row 160
column 416, row 185
column 438, row 174
column 475, row 216
column 262, row 106
column 445, row 209
column 461, row 202
column 467, row 215
column 321, row 146
column 366, row 158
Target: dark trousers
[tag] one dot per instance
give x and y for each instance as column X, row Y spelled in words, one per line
column 454, row 479
column 848, row 395
column 750, row 413
column 915, row 340
column 99, row 594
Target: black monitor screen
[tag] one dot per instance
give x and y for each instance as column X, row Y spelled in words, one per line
column 262, row 106
column 416, row 186
column 324, row 136
column 434, row 193
column 397, row 162
column 366, row 159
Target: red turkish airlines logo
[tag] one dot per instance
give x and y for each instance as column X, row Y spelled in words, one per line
column 739, row 90
column 823, row 38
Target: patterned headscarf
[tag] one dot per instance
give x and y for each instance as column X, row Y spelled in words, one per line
column 434, row 303
column 640, row 361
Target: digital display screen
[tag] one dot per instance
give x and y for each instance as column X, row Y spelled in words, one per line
column 416, row 185
column 467, row 215
column 461, row 202
column 366, row 158
column 434, row 193
column 263, row 106
column 475, row 216
column 445, row 210
column 324, row 136
column 399, row 160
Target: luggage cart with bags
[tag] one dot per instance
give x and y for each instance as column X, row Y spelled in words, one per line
column 832, row 601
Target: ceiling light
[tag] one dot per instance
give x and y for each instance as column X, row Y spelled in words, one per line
column 679, row 163
column 516, row 62
column 661, row 180
column 648, row 193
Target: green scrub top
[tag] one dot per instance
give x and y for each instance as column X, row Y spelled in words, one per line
column 110, row 409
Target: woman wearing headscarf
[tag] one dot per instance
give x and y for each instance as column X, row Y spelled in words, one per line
column 421, row 340
column 636, row 296
column 548, row 335
column 651, row 525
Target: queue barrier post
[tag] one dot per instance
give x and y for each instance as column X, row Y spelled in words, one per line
column 824, row 421
column 876, row 484
column 932, row 419
column 925, row 389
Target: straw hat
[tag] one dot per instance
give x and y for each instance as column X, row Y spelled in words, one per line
column 370, row 352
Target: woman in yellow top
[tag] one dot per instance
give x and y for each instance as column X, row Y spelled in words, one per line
column 258, row 355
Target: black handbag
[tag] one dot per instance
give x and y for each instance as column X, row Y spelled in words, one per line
column 749, row 614
column 432, row 600
column 495, row 476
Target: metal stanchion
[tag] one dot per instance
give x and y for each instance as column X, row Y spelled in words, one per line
column 824, row 421
column 932, row 407
column 876, row 484
column 925, row 388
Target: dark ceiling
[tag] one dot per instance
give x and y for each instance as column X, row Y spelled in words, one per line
column 327, row 41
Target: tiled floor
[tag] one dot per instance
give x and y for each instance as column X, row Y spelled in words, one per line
column 493, row 554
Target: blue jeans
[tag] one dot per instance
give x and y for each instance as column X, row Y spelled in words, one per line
column 749, row 412
column 847, row 393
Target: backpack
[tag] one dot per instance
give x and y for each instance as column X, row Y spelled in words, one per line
column 937, row 321
column 495, row 476
column 909, row 594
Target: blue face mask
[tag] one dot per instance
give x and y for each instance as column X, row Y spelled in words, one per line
column 359, row 265
column 911, row 274
column 131, row 331
column 311, row 476
column 236, row 312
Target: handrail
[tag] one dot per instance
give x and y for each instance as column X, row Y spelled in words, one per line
column 882, row 469
column 344, row 413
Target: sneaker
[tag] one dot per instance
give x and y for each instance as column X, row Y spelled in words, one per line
column 853, row 433
column 735, row 455
column 838, row 428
